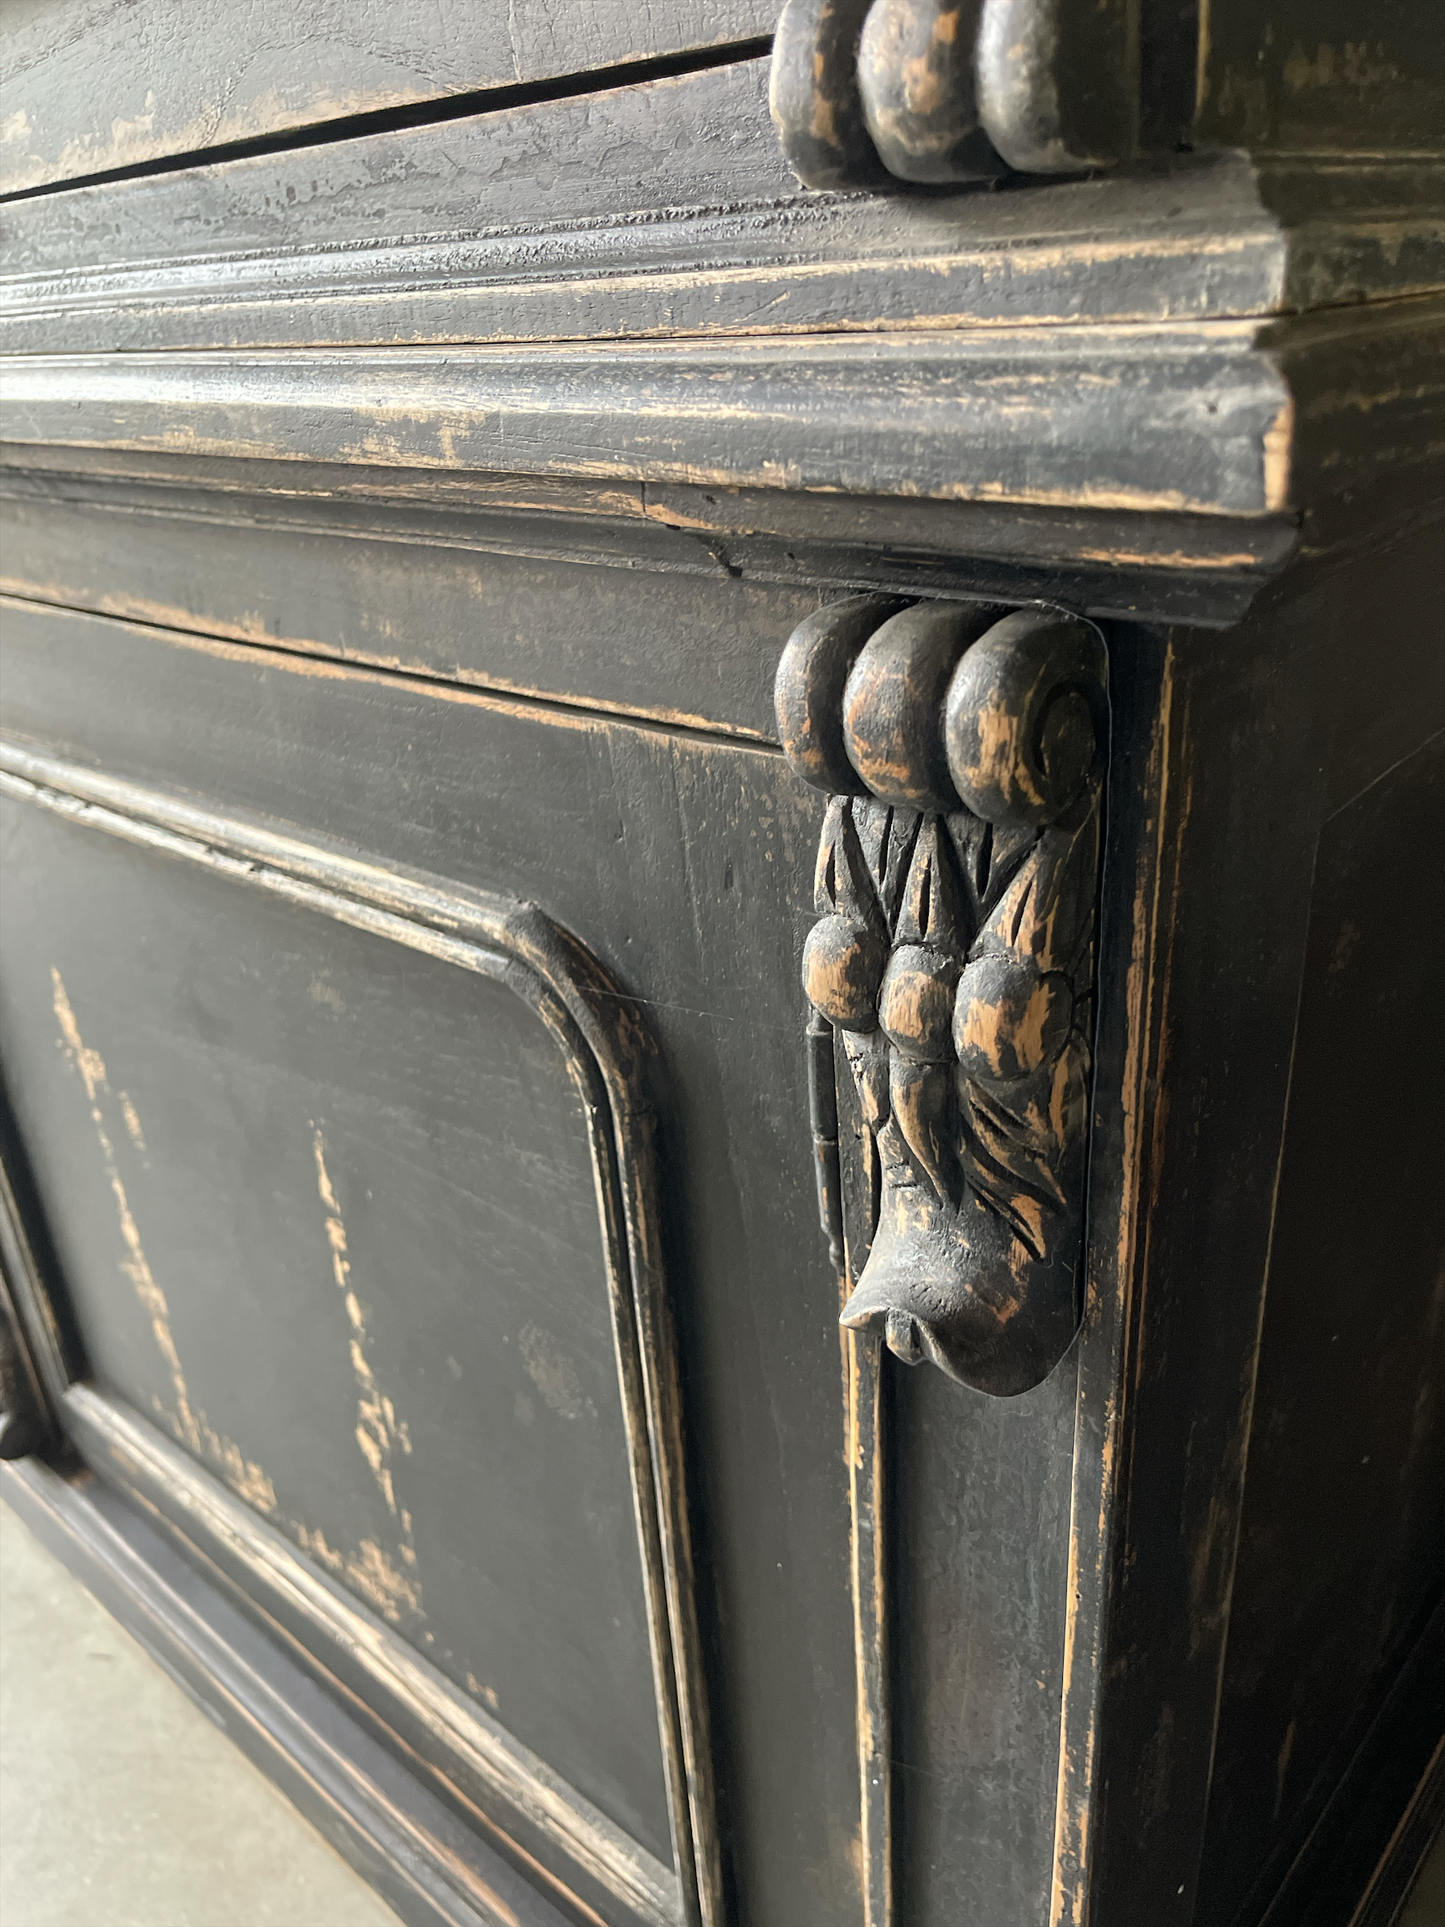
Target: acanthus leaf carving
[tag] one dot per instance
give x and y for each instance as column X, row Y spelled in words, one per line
column 954, row 959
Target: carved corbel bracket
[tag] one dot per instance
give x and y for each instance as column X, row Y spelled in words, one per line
column 954, row 959
column 873, row 93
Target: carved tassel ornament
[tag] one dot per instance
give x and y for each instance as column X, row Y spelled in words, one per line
column 953, row 960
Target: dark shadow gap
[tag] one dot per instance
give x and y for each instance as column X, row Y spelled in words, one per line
column 421, row 113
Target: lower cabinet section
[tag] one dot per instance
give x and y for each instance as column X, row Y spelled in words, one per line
column 416, row 1249
column 411, row 1086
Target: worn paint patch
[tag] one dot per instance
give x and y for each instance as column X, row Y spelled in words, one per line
column 487, row 1693
column 132, row 1121
column 321, row 992
column 370, row 1570
column 380, row 1434
column 243, row 1475
column 1355, row 64
column 553, row 1373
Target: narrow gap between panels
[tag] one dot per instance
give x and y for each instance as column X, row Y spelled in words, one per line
column 428, row 682
column 422, row 113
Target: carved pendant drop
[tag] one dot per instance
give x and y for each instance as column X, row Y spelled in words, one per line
column 954, row 958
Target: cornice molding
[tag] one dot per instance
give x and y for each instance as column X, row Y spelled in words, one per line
column 1178, row 417
column 524, row 224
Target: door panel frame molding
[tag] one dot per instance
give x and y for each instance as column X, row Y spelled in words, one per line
column 609, row 1054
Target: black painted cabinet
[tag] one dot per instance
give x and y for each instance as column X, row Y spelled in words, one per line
column 631, row 723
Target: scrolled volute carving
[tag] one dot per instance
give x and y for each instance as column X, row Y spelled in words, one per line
column 872, row 93
column 954, row 959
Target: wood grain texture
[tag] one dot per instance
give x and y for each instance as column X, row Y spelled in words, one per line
column 865, row 1434
column 638, row 620
column 1296, row 76
column 446, row 775
column 1312, row 725
column 1135, row 913
column 93, row 85
column 432, row 776
column 865, row 1451
column 959, row 1656
column 446, row 492
column 1352, row 1508
column 612, row 257
column 527, row 221
column 1369, row 1835
column 666, row 208
column 509, row 1797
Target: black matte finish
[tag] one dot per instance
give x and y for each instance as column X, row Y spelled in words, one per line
column 415, row 1167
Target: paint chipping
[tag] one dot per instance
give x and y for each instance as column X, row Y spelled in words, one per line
column 243, row 1475
column 487, row 1693
column 369, row 1570
column 132, row 1122
column 321, row 992
column 380, row 1435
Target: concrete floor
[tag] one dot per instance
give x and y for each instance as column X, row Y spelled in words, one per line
column 1426, row 1906
column 120, row 1804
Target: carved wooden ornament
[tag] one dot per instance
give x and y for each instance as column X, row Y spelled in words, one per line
column 868, row 93
column 954, row 959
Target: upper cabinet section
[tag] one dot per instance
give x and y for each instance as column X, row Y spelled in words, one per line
column 96, row 85
column 872, row 94
column 667, row 208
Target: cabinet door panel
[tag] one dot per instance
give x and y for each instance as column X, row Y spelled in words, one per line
column 682, row 863
column 326, row 1209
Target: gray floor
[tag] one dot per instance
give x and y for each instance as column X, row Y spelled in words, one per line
column 120, row 1804
column 1427, row 1901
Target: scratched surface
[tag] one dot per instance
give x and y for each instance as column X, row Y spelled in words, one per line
column 327, row 1211
column 686, row 864
column 98, row 84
